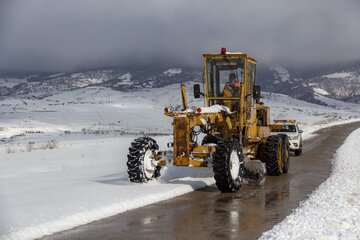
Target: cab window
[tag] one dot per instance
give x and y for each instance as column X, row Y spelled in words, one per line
column 283, row 128
column 220, row 70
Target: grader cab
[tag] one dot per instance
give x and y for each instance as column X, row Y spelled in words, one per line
column 234, row 126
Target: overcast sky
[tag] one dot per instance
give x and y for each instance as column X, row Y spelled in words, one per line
column 75, row 34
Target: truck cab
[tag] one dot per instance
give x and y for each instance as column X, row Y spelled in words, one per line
column 229, row 80
column 291, row 129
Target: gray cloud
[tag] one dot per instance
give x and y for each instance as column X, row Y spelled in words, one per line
column 72, row 34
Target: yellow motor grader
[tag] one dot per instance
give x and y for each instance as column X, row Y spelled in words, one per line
column 234, row 125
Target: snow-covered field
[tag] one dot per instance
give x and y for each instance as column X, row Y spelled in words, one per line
column 333, row 210
column 63, row 158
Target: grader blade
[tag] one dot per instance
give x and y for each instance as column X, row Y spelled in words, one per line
column 254, row 172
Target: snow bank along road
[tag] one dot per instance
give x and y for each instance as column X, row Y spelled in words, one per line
column 209, row 214
column 63, row 158
column 333, row 210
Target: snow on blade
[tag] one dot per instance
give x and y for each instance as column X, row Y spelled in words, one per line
column 333, row 210
column 215, row 109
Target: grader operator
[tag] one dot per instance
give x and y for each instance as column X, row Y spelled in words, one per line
column 234, row 124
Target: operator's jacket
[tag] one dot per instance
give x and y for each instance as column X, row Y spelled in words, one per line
column 232, row 89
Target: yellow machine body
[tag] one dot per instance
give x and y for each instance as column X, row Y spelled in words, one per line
column 231, row 133
column 244, row 118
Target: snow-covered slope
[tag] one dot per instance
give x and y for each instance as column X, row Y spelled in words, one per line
column 333, row 210
column 37, row 86
column 343, row 85
column 338, row 82
column 63, row 157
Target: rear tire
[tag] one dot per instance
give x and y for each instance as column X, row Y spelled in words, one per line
column 273, row 155
column 228, row 165
column 140, row 160
column 298, row 151
column 285, row 152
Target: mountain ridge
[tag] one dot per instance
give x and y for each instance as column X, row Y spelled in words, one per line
column 341, row 84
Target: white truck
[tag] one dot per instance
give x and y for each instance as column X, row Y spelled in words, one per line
column 291, row 129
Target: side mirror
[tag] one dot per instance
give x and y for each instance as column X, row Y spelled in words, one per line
column 257, row 93
column 197, row 92
column 301, row 131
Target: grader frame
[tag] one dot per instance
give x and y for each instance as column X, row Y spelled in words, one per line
column 237, row 142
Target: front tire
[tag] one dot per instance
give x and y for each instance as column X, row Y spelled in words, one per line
column 273, row 155
column 228, row 165
column 298, row 151
column 285, row 152
column 141, row 167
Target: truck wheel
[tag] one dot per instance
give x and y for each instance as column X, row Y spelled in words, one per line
column 298, row 151
column 141, row 167
column 228, row 165
column 285, row 152
column 273, row 156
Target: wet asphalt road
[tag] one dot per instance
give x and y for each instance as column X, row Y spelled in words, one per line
column 209, row 214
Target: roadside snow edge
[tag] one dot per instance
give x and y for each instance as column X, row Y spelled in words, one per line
column 333, row 210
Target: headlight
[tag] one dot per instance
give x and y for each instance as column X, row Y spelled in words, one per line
column 294, row 138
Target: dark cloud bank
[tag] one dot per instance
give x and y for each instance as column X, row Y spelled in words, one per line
column 73, row 34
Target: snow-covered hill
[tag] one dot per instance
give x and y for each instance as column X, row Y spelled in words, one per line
column 63, row 157
column 342, row 83
column 121, row 79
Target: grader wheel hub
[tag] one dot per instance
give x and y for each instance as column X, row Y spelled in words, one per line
column 149, row 166
column 234, row 165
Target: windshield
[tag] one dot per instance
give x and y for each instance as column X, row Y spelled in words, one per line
column 283, row 128
column 222, row 72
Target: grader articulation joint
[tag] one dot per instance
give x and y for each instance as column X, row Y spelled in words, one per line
column 234, row 124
